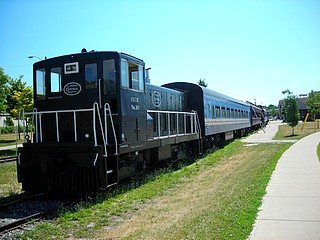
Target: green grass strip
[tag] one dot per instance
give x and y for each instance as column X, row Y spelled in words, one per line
column 227, row 190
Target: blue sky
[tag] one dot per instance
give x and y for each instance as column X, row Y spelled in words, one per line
column 245, row 49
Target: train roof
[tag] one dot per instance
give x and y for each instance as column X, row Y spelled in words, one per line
column 210, row 92
column 90, row 54
column 205, row 91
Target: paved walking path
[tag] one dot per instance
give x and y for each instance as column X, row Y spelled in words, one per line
column 10, row 147
column 265, row 135
column 291, row 206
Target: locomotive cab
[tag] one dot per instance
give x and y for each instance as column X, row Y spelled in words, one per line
column 82, row 101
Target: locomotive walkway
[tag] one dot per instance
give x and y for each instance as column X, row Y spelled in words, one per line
column 291, row 206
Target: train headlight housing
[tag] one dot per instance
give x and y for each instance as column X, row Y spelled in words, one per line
column 87, row 135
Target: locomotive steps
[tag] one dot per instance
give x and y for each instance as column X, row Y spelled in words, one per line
column 217, row 197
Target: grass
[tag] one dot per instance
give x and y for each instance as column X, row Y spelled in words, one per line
column 8, row 180
column 217, row 197
column 9, row 139
column 8, row 171
column 285, row 131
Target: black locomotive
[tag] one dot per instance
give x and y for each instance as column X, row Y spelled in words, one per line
column 97, row 121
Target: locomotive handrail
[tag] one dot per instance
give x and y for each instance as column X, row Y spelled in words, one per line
column 199, row 130
column 193, row 123
column 23, row 123
column 95, row 110
column 37, row 123
column 107, row 111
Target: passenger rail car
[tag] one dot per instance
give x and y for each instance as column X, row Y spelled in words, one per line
column 257, row 116
column 96, row 121
column 221, row 117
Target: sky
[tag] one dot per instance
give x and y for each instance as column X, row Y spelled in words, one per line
column 247, row 49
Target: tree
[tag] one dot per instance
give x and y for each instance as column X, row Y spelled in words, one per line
column 16, row 85
column 291, row 110
column 273, row 110
column 23, row 99
column 4, row 79
column 19, row 96
column 202, row 83
column 14, row 95
column 313, row 103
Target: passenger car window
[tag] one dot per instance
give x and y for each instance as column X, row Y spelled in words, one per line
column 40, row 84
column 217, row 112
column 91, row 80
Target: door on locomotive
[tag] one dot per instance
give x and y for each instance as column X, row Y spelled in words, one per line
column 133, row 108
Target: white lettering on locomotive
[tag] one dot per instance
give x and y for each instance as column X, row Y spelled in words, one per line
column 135, row 103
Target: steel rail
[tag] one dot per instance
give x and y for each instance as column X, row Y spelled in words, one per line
column 8, row 159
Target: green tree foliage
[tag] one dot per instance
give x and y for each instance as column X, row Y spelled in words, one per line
column 14, row 94
column 16, row 85
column 202, row 83
column 313, row 103
column 273, row 110
column 4, row 88
column 291, row 109
column 22, row 99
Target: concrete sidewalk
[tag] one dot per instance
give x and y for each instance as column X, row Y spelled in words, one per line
column 265, row 135
column 10, row 147
column 291, row 206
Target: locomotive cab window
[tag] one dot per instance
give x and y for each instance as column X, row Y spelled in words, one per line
column 40, row 84
column 55, row 80
column 91, row 79
column 109, row 76
column 132, row 75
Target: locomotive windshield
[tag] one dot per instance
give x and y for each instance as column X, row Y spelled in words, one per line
column 40, row 84
column 109, row 76
column 55, row 77
column 131, row 75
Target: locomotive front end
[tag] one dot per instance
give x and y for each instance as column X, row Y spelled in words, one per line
column 71, row 144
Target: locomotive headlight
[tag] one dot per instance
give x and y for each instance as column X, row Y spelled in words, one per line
column 87, row 135
column 27, row 137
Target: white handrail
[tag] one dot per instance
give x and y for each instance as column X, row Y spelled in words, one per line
column 35, row 123
column 96, row 116
column 96, row 111
column 185, row 115
column 107, row 108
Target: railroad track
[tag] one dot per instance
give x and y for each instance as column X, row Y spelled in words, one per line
column 8, row 159
column 15, row 215
column 9, row 225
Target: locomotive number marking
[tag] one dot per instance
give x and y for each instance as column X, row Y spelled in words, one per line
column 135, row 103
